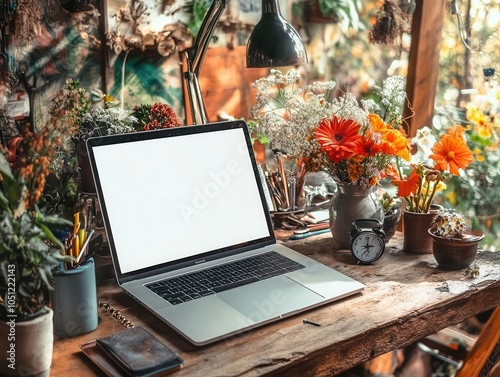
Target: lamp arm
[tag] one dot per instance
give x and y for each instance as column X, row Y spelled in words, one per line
column 205, row 34
column 194, row 59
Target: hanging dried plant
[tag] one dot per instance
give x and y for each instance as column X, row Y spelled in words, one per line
column 389, row 25
column 27, row 21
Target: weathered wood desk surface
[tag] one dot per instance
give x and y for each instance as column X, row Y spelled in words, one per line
column 406, row 298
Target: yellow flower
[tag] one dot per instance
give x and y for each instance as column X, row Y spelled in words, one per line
column 452, row 197
column 428, row 186
column 483, row 130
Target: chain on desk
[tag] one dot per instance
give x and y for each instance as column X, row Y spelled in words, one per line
column 116, row 314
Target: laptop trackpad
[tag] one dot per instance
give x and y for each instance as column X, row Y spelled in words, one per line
column 270, row 298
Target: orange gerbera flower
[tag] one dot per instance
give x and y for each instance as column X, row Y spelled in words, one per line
column 451, row 153
column 410, row 185
column 366, row 147
column 338, row 137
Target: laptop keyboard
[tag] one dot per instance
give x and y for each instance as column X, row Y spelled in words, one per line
column 223, row 277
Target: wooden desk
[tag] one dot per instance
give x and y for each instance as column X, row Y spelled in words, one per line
column 406, row 298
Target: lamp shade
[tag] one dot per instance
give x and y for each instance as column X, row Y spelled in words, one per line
column 273, row 41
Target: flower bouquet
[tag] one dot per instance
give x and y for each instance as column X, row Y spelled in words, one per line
column 358, row 148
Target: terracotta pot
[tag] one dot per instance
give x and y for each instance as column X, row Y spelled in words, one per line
column 416, row 239
column 26, row 346
column 455, row 254
column 415, row 236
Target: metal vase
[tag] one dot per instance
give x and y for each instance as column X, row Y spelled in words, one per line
column 349, row 203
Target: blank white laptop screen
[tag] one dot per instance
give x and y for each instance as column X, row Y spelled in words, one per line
column 172, row 198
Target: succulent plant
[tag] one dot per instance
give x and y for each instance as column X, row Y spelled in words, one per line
column 448, row 224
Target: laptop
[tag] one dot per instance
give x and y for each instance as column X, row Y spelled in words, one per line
column 183, row 206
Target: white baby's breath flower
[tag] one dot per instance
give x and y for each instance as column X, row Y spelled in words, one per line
column 287, row 114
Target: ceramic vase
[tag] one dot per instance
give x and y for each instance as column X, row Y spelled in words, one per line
column 349, row 203
column 455, row 254
column 27, row 345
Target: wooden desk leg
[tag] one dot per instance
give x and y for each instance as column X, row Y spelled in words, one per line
column 487, row 342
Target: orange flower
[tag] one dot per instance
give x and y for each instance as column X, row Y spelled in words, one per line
column 410, row 185
column 451, row 153
column 390, row 171
column 355, row 167
column 377, row 123
column 457, row 130
column 395, row 143
column 338, row 137
column 366, row 147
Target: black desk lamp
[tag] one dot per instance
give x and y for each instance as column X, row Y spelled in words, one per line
column 272, row 43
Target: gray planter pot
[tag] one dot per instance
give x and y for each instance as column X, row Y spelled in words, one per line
column 26, row 346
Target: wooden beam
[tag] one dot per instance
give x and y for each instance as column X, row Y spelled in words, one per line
column 423, row 63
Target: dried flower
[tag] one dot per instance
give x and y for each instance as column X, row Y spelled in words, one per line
column 70, row 106
column 391, row 22
column 158, row 115
column 286, row 114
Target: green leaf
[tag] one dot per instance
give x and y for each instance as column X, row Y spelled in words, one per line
column 5, row 169
column 51, row 237
column 44, row 275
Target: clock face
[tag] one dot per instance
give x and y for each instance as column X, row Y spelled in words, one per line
column 367, row 246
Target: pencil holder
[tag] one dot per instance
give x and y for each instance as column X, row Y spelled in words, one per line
column 74, row 299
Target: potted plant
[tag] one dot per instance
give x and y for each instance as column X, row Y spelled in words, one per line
column 453, row 245
column 430, row 168
column 28, row 253
column 98, row 121
column 392, row 214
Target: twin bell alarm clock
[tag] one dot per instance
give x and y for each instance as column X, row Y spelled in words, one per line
column 367, row 240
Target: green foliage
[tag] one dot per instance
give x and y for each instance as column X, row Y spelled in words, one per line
column 101, row 122
column 198, row 9
column 389, row 202
column 28, row 248
column 345, row 12
column 256, row 133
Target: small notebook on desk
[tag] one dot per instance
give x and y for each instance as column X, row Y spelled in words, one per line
column 132, row 352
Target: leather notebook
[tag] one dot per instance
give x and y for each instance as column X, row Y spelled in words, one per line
column 135, row 351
